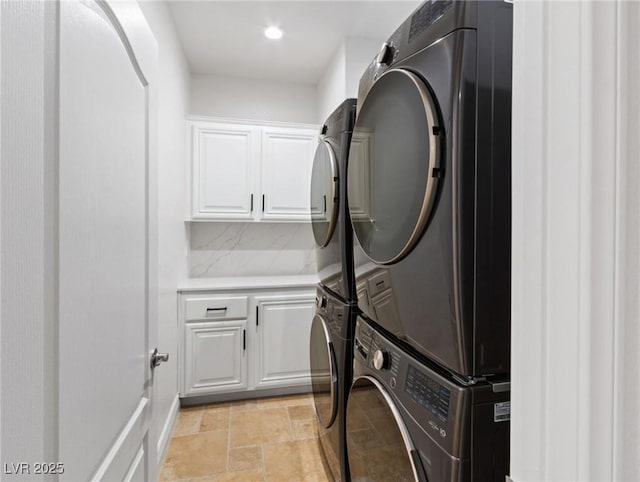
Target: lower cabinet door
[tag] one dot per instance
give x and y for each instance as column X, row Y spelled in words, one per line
column 215, row 357
column 283, row 333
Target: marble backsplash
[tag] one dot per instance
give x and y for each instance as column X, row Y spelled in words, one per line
column 250, row 249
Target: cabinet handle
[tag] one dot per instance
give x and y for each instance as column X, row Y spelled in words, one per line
column 325, row 203
column 257, row 317
column 263, row 203
column 217, row 309
column 251, row 203
column 244, row 340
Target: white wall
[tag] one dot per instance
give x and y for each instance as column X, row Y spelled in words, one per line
column 330, row 90
column 576, row 242
column 341, row 76
column 173, row 102
column 359, row 54
column 252, row 99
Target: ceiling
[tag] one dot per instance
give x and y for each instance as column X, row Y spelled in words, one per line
column 226, row 37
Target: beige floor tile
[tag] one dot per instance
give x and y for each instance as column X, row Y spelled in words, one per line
column 245, row 458
column 301, row 412
column 243, row 405
column 243, row 476
column 304, row 428
column 293, row 460
column 316, row 477
column 167, row 473
column 286, row 401
column 199, row 455
column 255, row 427
column 215, row 418
column 188, row 421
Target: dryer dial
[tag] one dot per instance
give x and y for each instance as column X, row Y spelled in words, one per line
column 385, row 54
column 381, row 360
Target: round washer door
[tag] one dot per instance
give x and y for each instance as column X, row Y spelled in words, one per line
column 324, row 376
column 324, row 194
column 394, row 165
column 379, row 447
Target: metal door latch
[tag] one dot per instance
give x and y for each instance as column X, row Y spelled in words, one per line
column 157, row 358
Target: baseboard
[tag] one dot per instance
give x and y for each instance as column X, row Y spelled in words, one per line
column 232, row 396
column 167, row 430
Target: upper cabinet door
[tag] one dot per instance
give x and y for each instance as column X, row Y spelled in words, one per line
column 223, row 163
column 287, row 158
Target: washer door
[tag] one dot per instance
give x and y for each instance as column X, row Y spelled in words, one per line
column 378, row 444
column 324, row 375
column 324, row 194
column 394, row 165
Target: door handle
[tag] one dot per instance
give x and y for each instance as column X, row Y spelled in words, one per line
column 157, row 358
column 251, row 203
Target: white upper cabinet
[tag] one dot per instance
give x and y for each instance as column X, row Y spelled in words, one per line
column 250, row 172
column 287, row 159
column 223, row 164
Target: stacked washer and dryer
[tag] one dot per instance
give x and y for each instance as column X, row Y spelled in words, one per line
column 431, row 363
column 331, row 345
column 412, row 381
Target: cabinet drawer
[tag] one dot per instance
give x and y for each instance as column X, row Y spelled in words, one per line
column 216, row 308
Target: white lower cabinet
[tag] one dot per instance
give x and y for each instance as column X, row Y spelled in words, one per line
column 283, row 330
column 215, row 356
column 237, row 341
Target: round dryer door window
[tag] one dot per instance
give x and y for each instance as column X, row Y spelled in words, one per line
column 378, row 444
column 324, row 194
column 324, row 378
column 394, row 165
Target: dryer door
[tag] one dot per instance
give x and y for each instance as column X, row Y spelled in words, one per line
column 324, row 375
column 394, row 165
column 379, row 447
column 324, row 194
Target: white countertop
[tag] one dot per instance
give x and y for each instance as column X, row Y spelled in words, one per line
column 247, row 282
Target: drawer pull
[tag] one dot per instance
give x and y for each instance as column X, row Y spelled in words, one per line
column 217, row 309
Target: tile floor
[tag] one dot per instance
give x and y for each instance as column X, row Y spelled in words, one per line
column 265, row 440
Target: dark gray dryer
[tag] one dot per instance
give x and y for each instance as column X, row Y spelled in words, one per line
column 331, row 226
column 331, row 344
column 408, row 421
column 430, row 185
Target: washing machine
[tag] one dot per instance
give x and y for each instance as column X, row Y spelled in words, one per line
column 331, row 342
column 429, row 186
column 407, row 420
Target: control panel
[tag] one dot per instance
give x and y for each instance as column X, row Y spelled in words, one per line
column 432, row 398
column 427, row 15
column 428, row 393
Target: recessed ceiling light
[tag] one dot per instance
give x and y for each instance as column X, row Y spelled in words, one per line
column 273, row 33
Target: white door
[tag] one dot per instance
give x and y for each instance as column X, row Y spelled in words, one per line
column 223, row 157
column 106, row 241
column 287, row 160
column 284, row 330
